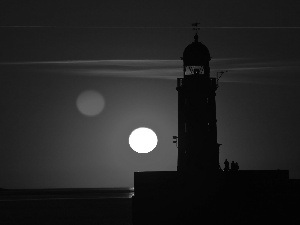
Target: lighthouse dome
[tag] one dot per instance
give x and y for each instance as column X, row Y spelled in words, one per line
column 196, row 54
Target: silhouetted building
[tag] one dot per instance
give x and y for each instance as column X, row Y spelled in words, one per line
column 198, row 149
column 199, row 191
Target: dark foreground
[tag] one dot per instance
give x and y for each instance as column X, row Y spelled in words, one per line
column 65, row 209
column 230, row 198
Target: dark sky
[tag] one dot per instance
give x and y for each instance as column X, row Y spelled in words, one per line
column 129, row 51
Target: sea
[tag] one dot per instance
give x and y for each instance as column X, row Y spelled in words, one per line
column 76, row 206
column 65, row 193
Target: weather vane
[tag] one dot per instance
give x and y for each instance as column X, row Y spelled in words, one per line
column 196, row 28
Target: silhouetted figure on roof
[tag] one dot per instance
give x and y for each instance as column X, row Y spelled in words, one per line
column 226, row 163
column 232, row 166
column 237, row 166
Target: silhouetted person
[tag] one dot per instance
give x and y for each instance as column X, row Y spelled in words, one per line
column 237, row 166
column 232, row 166
column 226, row 163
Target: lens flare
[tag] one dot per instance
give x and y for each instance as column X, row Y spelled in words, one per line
column 90, row 103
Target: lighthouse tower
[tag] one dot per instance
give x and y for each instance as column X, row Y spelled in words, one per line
column 176, row 197
column 198, row 190
column 198, row 149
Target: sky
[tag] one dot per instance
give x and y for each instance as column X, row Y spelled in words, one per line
column 129, row 52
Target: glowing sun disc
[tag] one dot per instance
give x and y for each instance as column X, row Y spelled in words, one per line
column 142, row 140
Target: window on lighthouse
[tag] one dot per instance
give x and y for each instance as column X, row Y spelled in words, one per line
column 195, row 70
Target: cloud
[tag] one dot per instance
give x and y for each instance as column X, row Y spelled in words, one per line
column 242, row 70
column 264, row 71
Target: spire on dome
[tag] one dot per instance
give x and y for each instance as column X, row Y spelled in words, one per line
column 196, row 28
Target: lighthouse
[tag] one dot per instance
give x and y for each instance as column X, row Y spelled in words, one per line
column 199, row 191
column 198, row 149
column 173, row 196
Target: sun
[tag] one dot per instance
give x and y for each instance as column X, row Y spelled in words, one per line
column 143, row 140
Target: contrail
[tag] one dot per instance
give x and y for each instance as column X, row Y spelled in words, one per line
column 146, row 27
column 130, row 62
